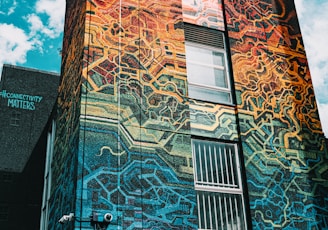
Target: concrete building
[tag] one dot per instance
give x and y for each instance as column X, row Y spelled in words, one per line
column 185, row 115
column 27, row 98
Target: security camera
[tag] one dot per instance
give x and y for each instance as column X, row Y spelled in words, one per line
column 63, row 219
column 108, row 217
column 66, row 218
column 100, row 217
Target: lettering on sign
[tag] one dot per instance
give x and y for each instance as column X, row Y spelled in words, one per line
column 20, row 101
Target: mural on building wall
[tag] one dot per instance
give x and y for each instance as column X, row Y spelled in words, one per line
column 208, row 119
column 213, row 120
column 206, row 13
column 135, row 134
column 281, row 134
column 136, row 121
column 64, row 167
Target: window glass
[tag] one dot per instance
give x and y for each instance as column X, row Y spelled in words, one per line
column 209, row 94
column 45, row 208
column 207, row 73
column 15, row 118
column 204, row 55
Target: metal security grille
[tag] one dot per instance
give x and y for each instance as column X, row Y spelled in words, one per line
column 216, row 166
column 220, row 211
column 218, row 184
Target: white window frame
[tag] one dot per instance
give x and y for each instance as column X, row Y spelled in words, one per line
column 47, row 178
column 213, row 88
column 220, row 196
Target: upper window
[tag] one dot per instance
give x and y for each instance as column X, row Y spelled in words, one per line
column 207, row 69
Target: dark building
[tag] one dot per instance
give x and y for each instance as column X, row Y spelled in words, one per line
column 27, row 98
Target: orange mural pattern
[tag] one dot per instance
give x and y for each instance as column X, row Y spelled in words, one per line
column 207, row 13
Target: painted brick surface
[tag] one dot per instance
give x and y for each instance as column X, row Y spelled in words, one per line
column 283, row 144
column 131, row 121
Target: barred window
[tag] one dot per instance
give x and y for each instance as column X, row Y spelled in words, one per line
column 218, row 184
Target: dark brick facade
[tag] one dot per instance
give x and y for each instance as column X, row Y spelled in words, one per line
column 27, row 98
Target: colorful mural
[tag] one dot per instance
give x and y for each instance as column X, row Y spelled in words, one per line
column 125, row 120
column 283, row 144
column 213, row 120
column 64, row 167
column 135, row 134
column 207, row 13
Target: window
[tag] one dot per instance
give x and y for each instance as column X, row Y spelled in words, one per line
column 4, row 210
column 207, row 69
column 7, row 177
column 47, row 178
column 218, row 184
column 15, row 118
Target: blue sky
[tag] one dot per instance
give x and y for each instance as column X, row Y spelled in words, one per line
column 313, row 19
column 31, row 33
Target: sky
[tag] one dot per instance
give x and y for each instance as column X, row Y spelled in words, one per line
column 313, row 20
column 31, row 33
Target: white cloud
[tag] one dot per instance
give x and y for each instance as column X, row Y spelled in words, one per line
column 36, row 26
column 46, row 22
column 55, row 10
column 313, row 18
column 14, row 43
column 43, row 23
column 323, row 111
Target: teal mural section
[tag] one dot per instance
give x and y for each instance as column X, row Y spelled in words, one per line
column 133, row 182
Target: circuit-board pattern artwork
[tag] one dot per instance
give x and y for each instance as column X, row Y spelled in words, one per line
column 64, row 164
column 207, row 13
column 133, row 181
column 135, row 134
column 283, row 144
column 213, row 120
column 135, row 120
